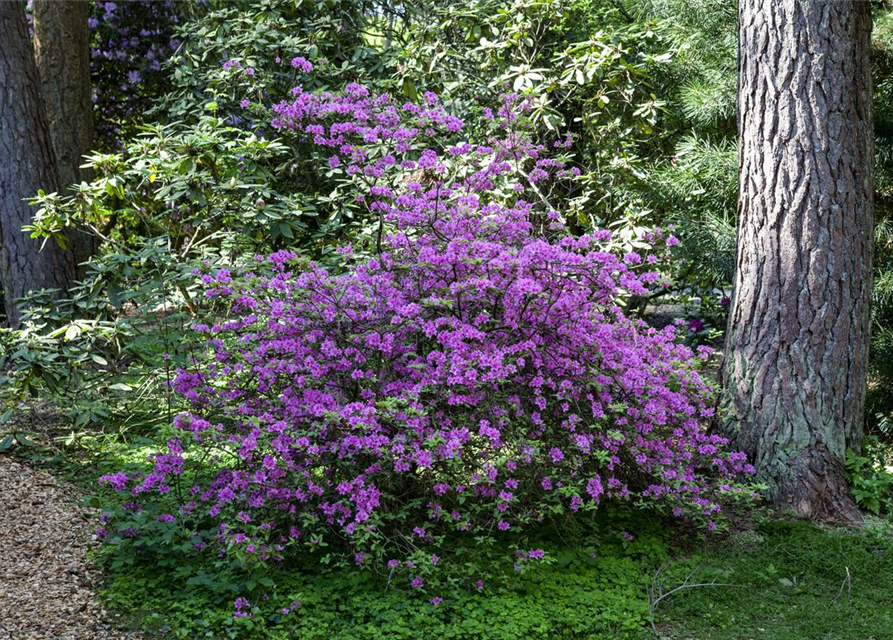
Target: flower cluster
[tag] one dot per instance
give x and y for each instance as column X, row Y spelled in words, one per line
column 474, row 377
column 385, row 148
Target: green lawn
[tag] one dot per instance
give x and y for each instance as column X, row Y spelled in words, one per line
column 794, row 586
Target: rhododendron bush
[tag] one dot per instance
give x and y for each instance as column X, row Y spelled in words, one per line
column 474, row 376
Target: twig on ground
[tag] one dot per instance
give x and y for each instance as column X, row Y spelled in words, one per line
column 656, row 592
column 848, row 583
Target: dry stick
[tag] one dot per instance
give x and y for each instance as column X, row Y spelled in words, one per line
column 847, row 582
column 657, row 587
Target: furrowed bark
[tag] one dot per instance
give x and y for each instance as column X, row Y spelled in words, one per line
column 62, row 55
column 796, row 354
column 27, row 164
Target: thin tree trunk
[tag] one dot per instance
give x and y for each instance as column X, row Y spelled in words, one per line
column 62, row 55
column 26, row 165
column 797, row 343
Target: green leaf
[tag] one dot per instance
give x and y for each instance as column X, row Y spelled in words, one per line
column 114, row 294
column 409, row 90
column 21, row 439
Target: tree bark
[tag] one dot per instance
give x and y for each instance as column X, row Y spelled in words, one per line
column 62, row 55
column 797, row 343
column 27, row 164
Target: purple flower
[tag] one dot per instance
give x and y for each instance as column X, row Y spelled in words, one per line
column 117, row 481
column 301, row 63
column 594, row 488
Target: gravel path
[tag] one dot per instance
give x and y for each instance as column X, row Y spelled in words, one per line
column 46, row 582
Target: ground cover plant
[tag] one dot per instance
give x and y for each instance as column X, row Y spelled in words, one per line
column 595, row 590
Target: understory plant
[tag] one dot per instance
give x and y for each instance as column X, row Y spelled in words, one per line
column 468, row 375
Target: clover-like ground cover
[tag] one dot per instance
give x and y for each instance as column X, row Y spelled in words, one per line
column 790, row 575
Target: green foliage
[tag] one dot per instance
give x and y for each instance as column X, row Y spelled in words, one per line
column 585, row 67
column 701, row 78
column 10, row 435
column 591, row 589
column 692, row 181
column 107, row 353
column 265, row 36
column 700, row 187
column 870, row 477
column 879, row 405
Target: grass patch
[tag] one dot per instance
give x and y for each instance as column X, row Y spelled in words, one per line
column 791, row 575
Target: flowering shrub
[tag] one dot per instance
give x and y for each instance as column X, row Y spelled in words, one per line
column 473, row 377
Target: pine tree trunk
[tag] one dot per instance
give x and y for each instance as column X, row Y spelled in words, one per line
column 62, row 54
column 26, row 165
column 797, row 343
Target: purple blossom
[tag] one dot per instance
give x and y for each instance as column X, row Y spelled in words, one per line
column 302, row 63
